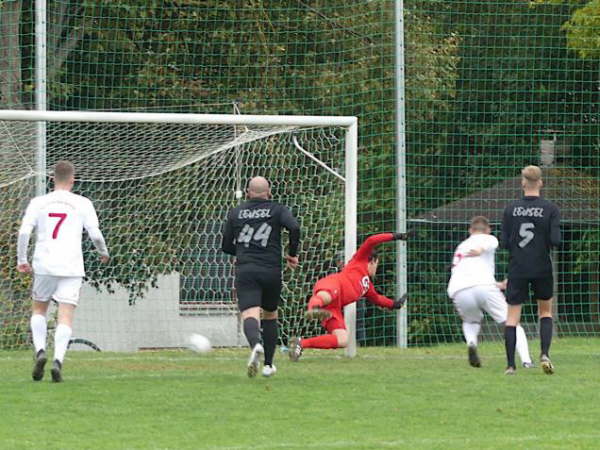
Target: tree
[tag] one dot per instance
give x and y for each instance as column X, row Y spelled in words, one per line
column 583, row 30
column 65, row 30
column 583, row 27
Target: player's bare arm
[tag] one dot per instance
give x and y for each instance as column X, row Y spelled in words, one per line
column 290, row 223
column 291, row 261
column 475, row 252
column 24, row 268
column 227, row 244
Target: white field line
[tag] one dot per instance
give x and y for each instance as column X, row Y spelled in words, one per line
column 459, row 441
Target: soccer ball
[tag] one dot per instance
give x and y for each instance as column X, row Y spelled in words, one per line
column 199, row 343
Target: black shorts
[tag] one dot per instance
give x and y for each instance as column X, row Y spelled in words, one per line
column 258, row 288
column 517, row 290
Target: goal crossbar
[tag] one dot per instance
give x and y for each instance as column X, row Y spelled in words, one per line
column 206, row 119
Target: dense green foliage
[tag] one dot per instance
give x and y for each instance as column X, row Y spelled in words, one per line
column 14, row 290
column 582, row 27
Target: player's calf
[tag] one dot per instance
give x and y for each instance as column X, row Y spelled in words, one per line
column 269, row 335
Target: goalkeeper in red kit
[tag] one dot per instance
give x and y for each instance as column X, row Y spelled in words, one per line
column 332, row 293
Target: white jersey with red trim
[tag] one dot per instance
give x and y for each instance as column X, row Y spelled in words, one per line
column 468, row 271
column 59, row 219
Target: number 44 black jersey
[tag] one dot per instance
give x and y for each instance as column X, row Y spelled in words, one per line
column 252, row 233
column 530, row 227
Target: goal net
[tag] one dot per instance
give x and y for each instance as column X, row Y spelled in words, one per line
column 162, row 184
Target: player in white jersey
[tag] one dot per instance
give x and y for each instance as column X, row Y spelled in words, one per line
column 473, row 288
column 59, row 219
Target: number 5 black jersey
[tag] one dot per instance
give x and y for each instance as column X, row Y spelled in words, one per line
column 530, row 227
column 252, row 233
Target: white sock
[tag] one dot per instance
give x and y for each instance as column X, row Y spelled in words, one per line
column 39, row 329
column 62, row 335
column 522, row 346
column 471, row 331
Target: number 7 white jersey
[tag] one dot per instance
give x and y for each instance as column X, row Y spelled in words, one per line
column 59, row 218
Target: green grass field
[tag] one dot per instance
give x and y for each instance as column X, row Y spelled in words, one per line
column 384, row 398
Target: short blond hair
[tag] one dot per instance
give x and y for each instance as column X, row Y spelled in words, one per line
column 63, row 171
column 480, row 223
column 531, row 174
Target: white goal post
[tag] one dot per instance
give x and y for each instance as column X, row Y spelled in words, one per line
column 142, row 146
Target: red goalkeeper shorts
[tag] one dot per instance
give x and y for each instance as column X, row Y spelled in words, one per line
column 331, row 284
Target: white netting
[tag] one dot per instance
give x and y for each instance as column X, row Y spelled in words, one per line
column 162, row 192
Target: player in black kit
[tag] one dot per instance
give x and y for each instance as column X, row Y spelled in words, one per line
column 252, row 234
column 530, row 227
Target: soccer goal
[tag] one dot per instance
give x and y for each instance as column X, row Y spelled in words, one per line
column 162, row 184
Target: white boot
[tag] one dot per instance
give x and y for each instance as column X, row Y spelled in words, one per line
column 269, row 371
column 254, row 360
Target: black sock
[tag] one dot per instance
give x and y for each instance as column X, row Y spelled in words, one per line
column 546, row 334
column 251, row 330
column 269, row 332
column 510, row 342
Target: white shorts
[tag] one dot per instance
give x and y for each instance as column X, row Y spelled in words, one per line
column 61, row 289
column 472, row 302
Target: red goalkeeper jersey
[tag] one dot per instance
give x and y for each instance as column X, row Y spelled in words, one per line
column 353, row 281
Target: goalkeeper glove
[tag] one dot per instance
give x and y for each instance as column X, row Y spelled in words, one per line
column 400, row 302
column 400, row 236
